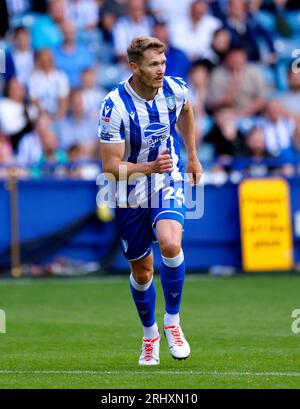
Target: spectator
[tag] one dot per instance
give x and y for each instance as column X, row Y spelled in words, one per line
column 4, row 19
column 41, row 145
column 15, row 113
column 277, row 8
column 171, row 11
column 111, row 10
column 46, row 31
column 9, row 65
column 237, row 85
column 51, row 153
column 135, row 23
column 278, row 129
column 17, row 8
column 282, row 5
column 225, row 136
column 254, row 145
column 6, row 156
column 291, row 156
column 246, row 31
column 199, row 81
column 79, row 167
column 258, row 161
column 39, row 6
column 177, row 62
column 194, row 34
column 49, row 87
column 23, row 55
column 255, row 160
column 76, row 153
column 71, row 57
column 290, row 100
column 84, row 13
column 29, row 150
column 76, row 128
column 92, row 95
column 220, row 46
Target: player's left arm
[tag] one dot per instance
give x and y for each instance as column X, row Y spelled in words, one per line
column 187, row 129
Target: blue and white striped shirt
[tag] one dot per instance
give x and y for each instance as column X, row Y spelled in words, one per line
column 146, row 127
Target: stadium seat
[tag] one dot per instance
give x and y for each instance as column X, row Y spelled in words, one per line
column 206, row 124
column 108, row 75
column 282, row 74
column 266, row 19
column 96, row 45
column 25, row 20
column 285, row 47
column 269, row 75
column 293, row 19
column 244, row 124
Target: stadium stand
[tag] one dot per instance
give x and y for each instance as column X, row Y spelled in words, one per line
column 61, row 57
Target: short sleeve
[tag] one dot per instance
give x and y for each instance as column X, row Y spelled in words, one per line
column 63, row 88
column 181, row 89
column 33, row 86
column 111, row 125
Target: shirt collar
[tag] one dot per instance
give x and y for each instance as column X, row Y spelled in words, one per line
column 132, row 92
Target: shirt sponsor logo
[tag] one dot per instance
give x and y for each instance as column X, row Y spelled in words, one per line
column 155, row 133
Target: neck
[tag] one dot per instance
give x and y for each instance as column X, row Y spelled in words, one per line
column 196, row 21
column 137, row 19
column 78, row 116
column 69, row 45
column 258, row 154
column 145, row 92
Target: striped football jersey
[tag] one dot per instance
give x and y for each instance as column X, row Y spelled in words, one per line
column 147, row 128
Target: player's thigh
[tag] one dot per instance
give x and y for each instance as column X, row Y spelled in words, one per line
column 142, row 269
column 169, row 236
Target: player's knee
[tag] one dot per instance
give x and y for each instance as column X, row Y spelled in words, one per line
column 142, row 275
column 170, row 248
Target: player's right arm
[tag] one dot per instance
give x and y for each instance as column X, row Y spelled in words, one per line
column 112, row 136
column 113, row 163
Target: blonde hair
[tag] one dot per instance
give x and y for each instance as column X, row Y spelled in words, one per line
column 139, row 45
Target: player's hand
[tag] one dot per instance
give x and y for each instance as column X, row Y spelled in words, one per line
column 194, row 168
column 163, row 162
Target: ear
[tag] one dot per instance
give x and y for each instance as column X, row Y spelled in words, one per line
column 134, row 67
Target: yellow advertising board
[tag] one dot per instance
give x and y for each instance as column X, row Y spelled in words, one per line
column 266, row 231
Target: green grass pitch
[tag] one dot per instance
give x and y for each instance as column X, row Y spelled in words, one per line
column 84, row 333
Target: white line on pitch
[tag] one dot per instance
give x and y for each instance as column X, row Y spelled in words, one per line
column 163, row 372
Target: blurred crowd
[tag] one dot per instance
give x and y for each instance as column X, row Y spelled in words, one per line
column 240, row 59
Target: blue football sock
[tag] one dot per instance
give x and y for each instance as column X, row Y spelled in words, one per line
column 144, row 297
column 172, row 275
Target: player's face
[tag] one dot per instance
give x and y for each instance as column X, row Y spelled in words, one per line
column 151, row 69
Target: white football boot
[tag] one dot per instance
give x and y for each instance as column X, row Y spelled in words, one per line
column 178, row 345
column 150, row 352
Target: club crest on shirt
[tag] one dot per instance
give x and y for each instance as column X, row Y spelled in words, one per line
column 171, row 104
column 155, row 133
